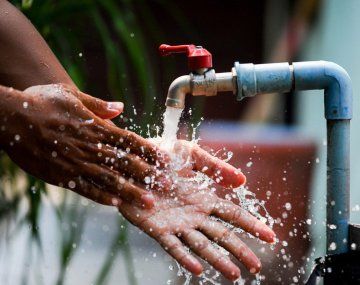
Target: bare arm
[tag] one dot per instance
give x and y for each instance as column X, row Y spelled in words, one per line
column 25, row 58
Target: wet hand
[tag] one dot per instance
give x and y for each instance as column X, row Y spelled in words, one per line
column 191, row 216
column 62, row 136
column 198, row 160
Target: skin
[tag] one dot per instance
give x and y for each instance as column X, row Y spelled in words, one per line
column 22, row 49
column 185, row 217
column 62, row 136
column 65, row 137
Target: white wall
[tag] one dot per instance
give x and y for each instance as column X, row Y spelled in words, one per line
column 336, row 37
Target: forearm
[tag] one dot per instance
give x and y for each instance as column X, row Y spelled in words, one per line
column 25, row 58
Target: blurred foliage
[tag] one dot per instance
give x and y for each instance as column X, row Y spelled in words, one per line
column 113, row 24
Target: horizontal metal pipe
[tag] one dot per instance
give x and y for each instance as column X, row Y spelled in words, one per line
column 225, row 81
column 253, row 79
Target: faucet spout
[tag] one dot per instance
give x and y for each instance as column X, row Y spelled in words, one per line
column 177, row 92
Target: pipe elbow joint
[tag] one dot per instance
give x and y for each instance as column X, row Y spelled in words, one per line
column 177, row 92
column 333, row 79
column 338, row 93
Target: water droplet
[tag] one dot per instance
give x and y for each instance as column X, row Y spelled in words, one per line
column 147, row 180
column 72, row 184
column 288, row 206
column 332, row 246
column 332, row 227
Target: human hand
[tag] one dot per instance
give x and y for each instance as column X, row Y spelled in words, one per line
column 192, row 215
column 193, row 159
column 61, row 135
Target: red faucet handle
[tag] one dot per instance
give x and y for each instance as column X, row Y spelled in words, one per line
column 198, row 57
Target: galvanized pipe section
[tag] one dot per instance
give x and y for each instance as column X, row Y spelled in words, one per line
column 226, row 81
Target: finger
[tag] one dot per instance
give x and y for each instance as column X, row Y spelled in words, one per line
column 237, row 216
column 232, row 243
column 126, row 163
column 103, row 109
column 89, row 191
column 129, row 165
column 135, row 143
column 110, row 181
column 221, row 172
column 177, row 250
column 200, row 245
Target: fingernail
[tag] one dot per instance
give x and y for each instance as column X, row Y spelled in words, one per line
column 115, row 106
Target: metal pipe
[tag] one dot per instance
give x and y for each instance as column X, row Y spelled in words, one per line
column 253, row 79
column 338, row 185
column 226, row 81
column 267, row 78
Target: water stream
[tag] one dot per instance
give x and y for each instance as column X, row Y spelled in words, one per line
column 171, row 126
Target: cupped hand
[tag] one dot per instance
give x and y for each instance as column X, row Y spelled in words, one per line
column 192, row 216
column 62, row 136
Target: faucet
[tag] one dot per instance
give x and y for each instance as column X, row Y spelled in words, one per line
column 202, row 79
column 247, row 80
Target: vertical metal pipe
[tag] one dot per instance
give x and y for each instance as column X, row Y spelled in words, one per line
column 338, row 185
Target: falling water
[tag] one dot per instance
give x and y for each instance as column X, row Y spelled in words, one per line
column 171, row 123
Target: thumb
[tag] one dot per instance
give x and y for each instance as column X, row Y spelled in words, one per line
column 101, row 108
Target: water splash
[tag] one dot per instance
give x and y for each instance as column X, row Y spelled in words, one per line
column 242, row 194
